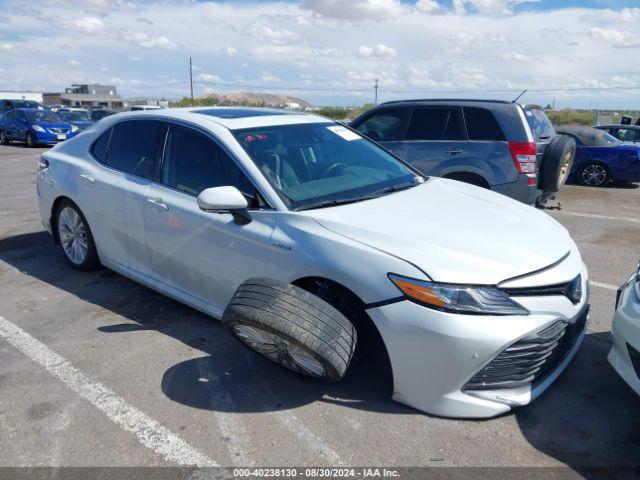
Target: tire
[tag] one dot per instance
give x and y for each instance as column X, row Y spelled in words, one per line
column 593, row 174
column 556, row 163
column 71, row 228
column 29, row 140
column 291, row 327
column 4, row 140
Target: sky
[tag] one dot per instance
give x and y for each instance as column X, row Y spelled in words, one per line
column 578, row 53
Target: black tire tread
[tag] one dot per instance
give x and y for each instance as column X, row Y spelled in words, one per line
column 297, row 315
column 550, row 167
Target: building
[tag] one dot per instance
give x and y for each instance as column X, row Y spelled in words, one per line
column 89, row 95
column 10, row 95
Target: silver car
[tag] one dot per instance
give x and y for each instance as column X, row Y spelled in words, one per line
column 307, row 240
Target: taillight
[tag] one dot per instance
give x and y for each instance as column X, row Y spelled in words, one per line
column 524, row 155
column 43, row 163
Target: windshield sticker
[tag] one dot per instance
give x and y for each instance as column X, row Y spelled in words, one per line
column 344, row 133
column 257, row 136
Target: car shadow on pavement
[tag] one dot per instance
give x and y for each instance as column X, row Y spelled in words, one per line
column 589, row 417
column 228, row 377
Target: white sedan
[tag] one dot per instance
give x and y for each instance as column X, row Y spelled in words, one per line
column 625, row 354
column 308, row 241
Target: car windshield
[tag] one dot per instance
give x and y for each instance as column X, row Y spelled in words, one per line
column 75, row 116
column 315, row 165
column 24, row 104
column 42, row 116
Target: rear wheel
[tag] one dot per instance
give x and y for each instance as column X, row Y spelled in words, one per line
column 29, row 140
column 593, row 175
column 291, row 327
column 4, row 140
column 75, row 237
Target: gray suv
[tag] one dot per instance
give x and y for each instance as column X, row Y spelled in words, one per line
column 507, row 147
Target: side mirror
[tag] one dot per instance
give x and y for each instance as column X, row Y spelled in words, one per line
column 225, row 200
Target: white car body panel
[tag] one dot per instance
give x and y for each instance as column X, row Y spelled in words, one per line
column 441, row 230
column 626, row 333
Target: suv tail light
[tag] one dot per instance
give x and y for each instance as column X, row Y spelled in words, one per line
column 43, row 163
column 524, row 155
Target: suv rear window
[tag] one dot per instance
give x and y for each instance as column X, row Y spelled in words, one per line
column 540, row 125
column 439, row 123
column 482, row 125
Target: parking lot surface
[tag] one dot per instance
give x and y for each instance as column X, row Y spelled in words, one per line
column 97, row 370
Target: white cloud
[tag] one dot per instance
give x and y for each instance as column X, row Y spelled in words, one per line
column 208, row 77
column 230, row 51
column 356, row 9
column 268, row 77
column 428, row 6
column 145, row 41
column 116, row 81
column 84, row 24
column 73, row 63
column 379, row 51
column 420, row 78
column 520, row 57
column 6, row 47
column 490, row 7
column 275, row 36
column 615, row 37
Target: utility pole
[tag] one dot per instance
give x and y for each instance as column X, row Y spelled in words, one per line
column 191, row 80
column 376, row 89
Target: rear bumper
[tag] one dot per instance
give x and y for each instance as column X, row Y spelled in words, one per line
column 519, row 190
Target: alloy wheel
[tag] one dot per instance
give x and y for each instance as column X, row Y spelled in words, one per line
column 73, row 235
column 593, row 175
column 564, row 167
column 279, row 349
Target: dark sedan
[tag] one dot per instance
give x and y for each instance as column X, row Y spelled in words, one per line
column 602, row 158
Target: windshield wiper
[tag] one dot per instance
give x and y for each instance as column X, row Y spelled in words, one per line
column 393, row 188
column 330, row 203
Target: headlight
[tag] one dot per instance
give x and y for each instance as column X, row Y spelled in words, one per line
column 75, row 128
column 458, row 298
column 38, row 128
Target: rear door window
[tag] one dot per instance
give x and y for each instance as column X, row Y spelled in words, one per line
column 385, row 126
column 435, row 123
column 132, row 148
column 193, row 162
column 539, row 123
column 482, row 125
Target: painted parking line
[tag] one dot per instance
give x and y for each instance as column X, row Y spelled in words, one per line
column 608, row 286
column 149, row 432
column 600, row 217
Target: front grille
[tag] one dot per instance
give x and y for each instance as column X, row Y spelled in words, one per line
column 635, row 359
column 531, row 359
column 59, row 130
column 572, row 290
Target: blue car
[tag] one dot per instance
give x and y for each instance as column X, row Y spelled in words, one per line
column 601, row 158
column 80, row 118
column 34, row 127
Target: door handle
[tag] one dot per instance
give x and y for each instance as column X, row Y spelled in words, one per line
column 454, row 151
column 88, row 178
column 158, row 203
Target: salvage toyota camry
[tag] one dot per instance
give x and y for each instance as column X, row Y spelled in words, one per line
column 307, row 240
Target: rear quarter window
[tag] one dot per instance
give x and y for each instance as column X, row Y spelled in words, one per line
column 482, row 125
column 99, row 147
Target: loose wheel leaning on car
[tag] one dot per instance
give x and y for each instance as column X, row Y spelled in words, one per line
column 292, row 327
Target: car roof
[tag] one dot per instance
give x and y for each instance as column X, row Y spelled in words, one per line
column 591, row 137
column 448, row 100
column 619, row 125
column 230, row 117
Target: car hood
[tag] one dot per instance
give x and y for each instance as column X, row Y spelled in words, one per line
column 49, row 125
column 453, row 232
